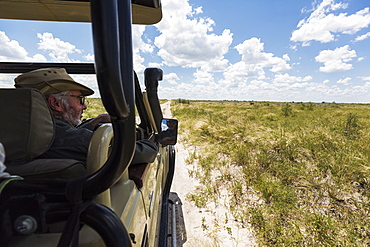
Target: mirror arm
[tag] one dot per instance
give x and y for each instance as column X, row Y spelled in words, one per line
column 145, row 121
column 152, row 78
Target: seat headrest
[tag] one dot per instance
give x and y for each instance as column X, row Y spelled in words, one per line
column 27, row 125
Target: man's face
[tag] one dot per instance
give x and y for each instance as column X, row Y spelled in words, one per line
column 72, row 112
column 171, row 124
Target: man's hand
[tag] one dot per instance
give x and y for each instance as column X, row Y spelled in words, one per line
column 152, row 137
column 103, row 118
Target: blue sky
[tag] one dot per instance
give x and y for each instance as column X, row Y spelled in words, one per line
column 263, row 50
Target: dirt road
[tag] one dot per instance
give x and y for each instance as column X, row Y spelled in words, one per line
column 211, row 226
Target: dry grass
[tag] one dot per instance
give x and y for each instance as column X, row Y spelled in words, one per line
column 297, row 172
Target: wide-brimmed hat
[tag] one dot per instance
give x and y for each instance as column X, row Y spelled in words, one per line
column 50, row 80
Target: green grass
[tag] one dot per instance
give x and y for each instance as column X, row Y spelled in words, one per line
column 298, row 173
column 94, row 108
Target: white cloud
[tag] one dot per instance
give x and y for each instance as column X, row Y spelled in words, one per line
column 154, row 65
column 138, row 43
column 286, row 78
column 7, row 80
column 11, row 50
column 195, row 91
column 89, row 81
column 198, row 10
column 334, row 91
column 239, row 73
column 344, row 81
column 362, row 37
column 140, row 46
column 253, row 63
column 321, row 25
column 252, row 52
column 89, row 57
column 336, row 60
column 171, row 78
column 186, row 41
column 324, row 4
column 203, row 77
column 59, row 50
column 138, row 63
column 365, row 78
column 298, row 89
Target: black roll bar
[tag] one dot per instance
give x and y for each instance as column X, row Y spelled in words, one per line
column 114, row 70
column 24, row 67
column 105, row 222
column 107, row 48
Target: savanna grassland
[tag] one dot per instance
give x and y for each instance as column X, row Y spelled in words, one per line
column 297, row 173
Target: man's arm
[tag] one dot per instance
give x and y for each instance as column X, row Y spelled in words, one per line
column 103, row 118
column 92, row 123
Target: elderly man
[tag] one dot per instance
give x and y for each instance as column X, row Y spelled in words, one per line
column 66, row 99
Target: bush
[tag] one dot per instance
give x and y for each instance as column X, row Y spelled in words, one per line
column 352, row 127
column 287, row 110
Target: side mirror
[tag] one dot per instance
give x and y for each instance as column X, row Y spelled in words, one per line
column 168, row 135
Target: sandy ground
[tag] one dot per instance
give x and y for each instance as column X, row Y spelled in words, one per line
column 211, row 226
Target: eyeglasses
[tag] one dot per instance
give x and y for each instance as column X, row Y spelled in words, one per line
column 80, row 97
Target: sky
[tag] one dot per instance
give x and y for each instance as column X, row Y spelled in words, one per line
column 261, row 50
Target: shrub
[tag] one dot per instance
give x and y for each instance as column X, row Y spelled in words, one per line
column 352, row 127
column 287, row 110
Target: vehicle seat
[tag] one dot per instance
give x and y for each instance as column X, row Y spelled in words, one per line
column 27, row 131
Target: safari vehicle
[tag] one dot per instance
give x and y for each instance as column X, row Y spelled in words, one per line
column 59, row 202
